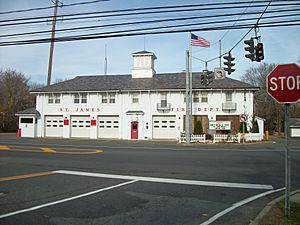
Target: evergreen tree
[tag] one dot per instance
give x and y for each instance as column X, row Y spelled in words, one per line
column 198, row 128
column 255, row 128
column 243, row 124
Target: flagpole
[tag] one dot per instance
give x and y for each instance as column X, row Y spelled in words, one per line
column 191, row 85
column 187, row 111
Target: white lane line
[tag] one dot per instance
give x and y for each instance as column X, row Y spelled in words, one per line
column 65, row 200
column 168, row 180
column 238, row 204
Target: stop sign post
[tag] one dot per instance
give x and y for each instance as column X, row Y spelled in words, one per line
column 283, row 84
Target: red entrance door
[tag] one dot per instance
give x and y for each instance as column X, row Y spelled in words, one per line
column 134, row 130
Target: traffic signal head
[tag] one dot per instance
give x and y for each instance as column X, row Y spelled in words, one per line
column 229, row 63
column 259, row 52
column 210, row 77
column 202, row 79
column 250, row 48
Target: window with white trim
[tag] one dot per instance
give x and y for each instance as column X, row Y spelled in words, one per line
column 112, row 97
column 57, row 98
column 204, row 96
column 50, row 99
column 104, row 98
column 135, row 97
column 54, row 99
column 84, row 98
column 163, row 99
column 228, row 96
column 80, row 98
column 196, row 96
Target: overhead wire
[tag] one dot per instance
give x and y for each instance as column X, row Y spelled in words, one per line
column 51, row 7
column 143, row 31
column 85, row 28
column 116, row 13
column 166, row 28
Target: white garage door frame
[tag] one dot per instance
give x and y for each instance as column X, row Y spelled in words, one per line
column 54, row 126
column 164, row 127
column 108, row 126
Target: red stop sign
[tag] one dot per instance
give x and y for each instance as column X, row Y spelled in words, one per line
column 283, row 83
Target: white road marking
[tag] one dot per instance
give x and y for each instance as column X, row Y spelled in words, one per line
column 168, row 180
column 65, row 200
column 238, row 204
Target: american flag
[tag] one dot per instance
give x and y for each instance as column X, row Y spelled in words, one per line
column 199, row 41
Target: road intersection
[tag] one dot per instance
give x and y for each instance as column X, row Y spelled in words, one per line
column 138, row 183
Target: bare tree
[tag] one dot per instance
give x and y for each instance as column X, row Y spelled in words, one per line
column 265, row 106
column 14, row 97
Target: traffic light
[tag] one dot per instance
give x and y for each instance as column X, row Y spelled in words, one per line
column 259, row 52
column 229, row 63
column 203, row 79
column 210, row 77
column 250, row 49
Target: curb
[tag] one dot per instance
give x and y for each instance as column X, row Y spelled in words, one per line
column 268, row 207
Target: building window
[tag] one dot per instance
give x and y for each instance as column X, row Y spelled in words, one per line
column 76, row 99
column 54, row 99
column 196, row 96
column 84, row 98
column 135, row 97
column 80, row 98
column 57, row 98
column 104, row 98
column 204, row 97
column 112, row 98
column 51, row 99
column 163, row 99
column 228, row 96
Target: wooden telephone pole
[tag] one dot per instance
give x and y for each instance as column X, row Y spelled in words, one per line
column 52, row 44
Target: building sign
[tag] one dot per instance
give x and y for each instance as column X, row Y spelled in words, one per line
column 199, row 109
column 220, row 125
column 83, row 109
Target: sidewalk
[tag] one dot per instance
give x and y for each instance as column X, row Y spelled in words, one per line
column 273, row 213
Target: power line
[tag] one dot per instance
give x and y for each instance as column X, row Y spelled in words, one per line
column 244, row 34
column 143, row 32
column 51, row 7
column 156, row 21
column 130, row 12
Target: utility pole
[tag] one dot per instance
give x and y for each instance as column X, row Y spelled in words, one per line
column 52, row 44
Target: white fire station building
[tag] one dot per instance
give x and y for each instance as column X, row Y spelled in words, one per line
column 142, row 105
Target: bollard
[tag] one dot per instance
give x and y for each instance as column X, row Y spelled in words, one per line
column 267, row 135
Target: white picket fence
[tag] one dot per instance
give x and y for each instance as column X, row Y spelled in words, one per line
column 237, row 138
column 224, row 138
column 194, row 138
column 231, row 138
column 253, row 137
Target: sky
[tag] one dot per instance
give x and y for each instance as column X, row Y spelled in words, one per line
column 86, row 57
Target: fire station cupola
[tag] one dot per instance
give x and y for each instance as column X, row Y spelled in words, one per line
column 143, row 64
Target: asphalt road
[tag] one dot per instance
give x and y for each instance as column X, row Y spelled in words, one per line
column 61, row 182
